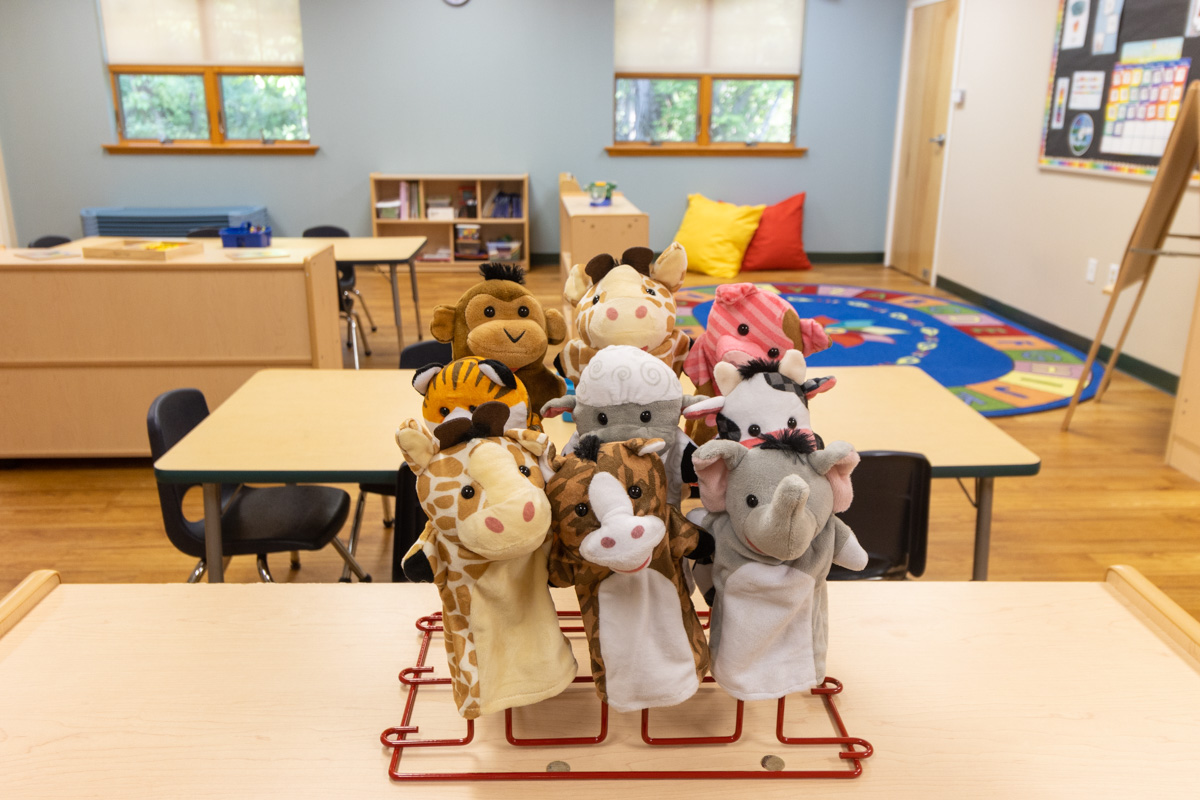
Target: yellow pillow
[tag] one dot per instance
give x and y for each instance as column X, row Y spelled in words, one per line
column 715, row 235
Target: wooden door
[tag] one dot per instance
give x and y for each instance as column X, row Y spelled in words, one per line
column 923, row 137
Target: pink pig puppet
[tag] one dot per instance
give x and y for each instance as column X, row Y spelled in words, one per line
column 746, row 323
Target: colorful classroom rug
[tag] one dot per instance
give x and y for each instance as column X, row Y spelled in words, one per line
column 992, row 364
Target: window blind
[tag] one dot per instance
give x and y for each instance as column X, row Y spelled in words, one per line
column 202, row 32
column 754, row 37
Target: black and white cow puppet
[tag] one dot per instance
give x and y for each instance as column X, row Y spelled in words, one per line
column 762, row 396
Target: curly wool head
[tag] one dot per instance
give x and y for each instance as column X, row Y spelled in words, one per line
column 620, row 375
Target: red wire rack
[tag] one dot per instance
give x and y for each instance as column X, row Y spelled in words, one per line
column 850, row 748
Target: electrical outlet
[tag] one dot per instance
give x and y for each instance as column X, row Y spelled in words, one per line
column 1113, row 271
column 1091, row 269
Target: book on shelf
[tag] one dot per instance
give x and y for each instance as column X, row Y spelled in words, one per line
column 505, row 205
column 404, row 202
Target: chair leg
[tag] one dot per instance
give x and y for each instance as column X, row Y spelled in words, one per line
column 362, row 333
column 350, row 560
column 264, row 572
column 295, row 559
column 388, row 519
column 352, row 337
column 198, row 571
column 359, row 507
column 363, row 302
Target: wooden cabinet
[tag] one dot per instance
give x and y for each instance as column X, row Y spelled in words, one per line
column 401, row 206
column 586, row 230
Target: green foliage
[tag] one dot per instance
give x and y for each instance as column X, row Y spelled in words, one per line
column 157, row 106
column 752, row 111
column 656, row 110
column 667, row 110
column 274, row 106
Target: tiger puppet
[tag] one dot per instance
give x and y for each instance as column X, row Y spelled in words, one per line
column 455, row 390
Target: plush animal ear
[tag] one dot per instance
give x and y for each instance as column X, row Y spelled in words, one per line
column 577, row 284
column 726, row 376
column 713, row 462
column 558, row 406
column 836, row 462
column 417, row 445
column 556, row 326
column 540, row 446
column 670, row 267
column 425, row 376
column 806, row 334
column 599, row 266
column 793, row 365
column 490, row 418
column 640, row 258
column 730, row 294
column 815, row 386
column 702, row 407
column 442, row 327
column 644, row 447
column 496, row 372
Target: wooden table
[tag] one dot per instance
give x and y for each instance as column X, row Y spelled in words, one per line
column 89, row 342
column 301, row 426
column 1055, row 690
column 369, row 251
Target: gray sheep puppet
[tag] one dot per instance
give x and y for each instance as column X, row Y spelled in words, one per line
column 771, row 511
column 626, row 393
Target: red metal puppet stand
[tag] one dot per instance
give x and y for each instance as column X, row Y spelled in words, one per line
column 852, row 749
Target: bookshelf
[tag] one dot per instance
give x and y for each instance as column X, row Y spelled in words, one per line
column 408, row 205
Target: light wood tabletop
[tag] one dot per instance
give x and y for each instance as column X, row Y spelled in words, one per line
column 964, row 690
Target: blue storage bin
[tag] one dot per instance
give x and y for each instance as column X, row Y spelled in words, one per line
column 246, row 235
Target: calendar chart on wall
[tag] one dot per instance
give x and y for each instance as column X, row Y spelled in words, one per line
column 1117, row 79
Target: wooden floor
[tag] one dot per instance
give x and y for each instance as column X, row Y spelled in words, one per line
column 1103, row 497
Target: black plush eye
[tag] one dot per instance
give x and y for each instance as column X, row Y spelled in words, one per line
column 581, row 510
column 523, row 311
column 743, row 329
column 602, row 419
column 468, row 492
column 443, row 411
column 524, row 470
column 650, row 292
column 635, row 492
column 791, row 422
column 773, row 352
column 595, row 299
column 489, row 312
column 751, row 500
column 645, row 416
column 754, row 430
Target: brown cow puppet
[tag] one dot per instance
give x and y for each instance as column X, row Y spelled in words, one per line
column 499, row 318
column 620, row 545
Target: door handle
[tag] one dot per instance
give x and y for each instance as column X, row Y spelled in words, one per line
column 939, row 139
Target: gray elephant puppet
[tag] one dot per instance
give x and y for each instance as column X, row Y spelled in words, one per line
column 625, row 393
column 771, row 512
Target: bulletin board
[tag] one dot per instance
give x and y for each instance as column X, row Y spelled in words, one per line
column 1117, row 79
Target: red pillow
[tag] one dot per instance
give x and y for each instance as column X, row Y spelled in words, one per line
column 779, row 241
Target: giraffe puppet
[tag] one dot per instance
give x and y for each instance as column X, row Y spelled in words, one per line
column 619, row 543
column 485, row 547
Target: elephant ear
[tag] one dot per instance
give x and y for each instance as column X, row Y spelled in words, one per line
column 577, row 284
column 558, row 406
column 670, row 267
column 417, row 445
column 425, row 375
column 836, row 462
column 713, row 461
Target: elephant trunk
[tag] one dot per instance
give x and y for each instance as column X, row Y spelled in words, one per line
column 786, row 528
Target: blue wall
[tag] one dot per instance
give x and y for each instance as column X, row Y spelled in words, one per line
column 418, row 86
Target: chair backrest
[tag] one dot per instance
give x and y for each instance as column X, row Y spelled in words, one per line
column 890, row 513
column 325, row 232
column 429, row 351
column 172, row 416
column 204, row 233
column 49, row 241
column 345, row 272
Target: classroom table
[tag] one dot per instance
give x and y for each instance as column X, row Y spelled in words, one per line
column 292, row 426
column 370, row 251
column 1056, row 690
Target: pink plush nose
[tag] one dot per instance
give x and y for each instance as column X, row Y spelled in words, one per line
column 641, row 312
column 612, row 313
column 494, row 525
column 637, row 532
column 608, row 541
column 528, row 512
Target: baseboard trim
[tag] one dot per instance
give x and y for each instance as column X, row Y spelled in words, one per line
column 543, row 259
column 1155, row 376
column 846, row 258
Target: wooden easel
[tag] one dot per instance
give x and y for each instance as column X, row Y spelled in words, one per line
column 1180, row 159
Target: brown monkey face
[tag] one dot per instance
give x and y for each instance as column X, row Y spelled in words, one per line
column 511, row 331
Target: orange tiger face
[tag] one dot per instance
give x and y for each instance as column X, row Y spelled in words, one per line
column 457, row 389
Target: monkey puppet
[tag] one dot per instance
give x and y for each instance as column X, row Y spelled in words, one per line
column 499, row 318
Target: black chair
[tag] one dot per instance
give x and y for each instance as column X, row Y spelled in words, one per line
column 253, row 521
column 49, row 241
column 204, row 233
column 430, row 351
column 889, row 515
column 347, row 285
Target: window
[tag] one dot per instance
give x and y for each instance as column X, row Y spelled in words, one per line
column 207, row 76
column 706, row 77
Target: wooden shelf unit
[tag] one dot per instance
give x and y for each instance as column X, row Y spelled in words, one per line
column 441, row 233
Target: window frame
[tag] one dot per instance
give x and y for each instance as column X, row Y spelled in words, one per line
column 703, row 146
column 216, row 141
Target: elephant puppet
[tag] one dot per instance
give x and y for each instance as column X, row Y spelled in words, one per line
column 626, row 393
column 771, row 511
column 630, row 301
column 621, row 546
column 762, row 396
column 485, row 548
